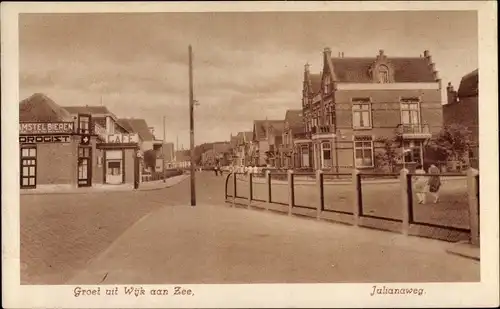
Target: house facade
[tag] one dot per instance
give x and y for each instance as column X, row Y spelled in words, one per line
column 463, row 108
column 293, row 129
column 260, row 147
column 241, row 148
column 356, row 102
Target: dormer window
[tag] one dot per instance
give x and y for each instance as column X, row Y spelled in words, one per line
column 383, row 74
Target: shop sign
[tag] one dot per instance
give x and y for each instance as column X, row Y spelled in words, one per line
column 46, row 127
column 123, row 138
column 32, row 139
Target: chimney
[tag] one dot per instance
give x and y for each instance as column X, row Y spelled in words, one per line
column 342, row 54
column 339, row 55
column 381, row 52
column 451, row 94
column 426, row 53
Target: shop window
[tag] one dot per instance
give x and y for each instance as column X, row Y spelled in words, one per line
column 84, row 124
column 28, row 167
column 114, row 168
column 363, row 151
column 361, row 114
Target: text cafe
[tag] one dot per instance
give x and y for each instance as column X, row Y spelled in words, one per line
column 54, row 154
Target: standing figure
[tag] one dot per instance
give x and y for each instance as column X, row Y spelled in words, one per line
column 434, row 182
column 420, row 185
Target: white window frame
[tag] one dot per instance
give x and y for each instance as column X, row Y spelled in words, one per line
column 322, row 153
column 305, row 149
column 412, row 101
column 357, row 139
column 420, row 145
column 362, row 102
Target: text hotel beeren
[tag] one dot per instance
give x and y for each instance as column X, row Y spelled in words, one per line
column 131, row 291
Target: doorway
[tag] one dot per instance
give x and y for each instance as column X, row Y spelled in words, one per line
column 84, row 167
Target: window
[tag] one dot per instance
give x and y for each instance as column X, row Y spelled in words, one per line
column 84, row 124
column 363, row 151
column 361, row 113
column 304, row 150
column 326, row 155
column 383, row 74
column 410, row 115
column 28, row 167
column 114, row 168
column 412, row 152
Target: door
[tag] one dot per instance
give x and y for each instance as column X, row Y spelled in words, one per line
column 28, row 167
column 84, row 167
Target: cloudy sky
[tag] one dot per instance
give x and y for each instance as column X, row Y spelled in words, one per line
column 246, row 65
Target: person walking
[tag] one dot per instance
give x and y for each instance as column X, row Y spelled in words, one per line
column 434, row 182
column 420, row 184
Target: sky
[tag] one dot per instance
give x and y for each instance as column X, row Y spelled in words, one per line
column 247, row 66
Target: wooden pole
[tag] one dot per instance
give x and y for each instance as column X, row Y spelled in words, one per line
column 191, row 124
column 163, row 150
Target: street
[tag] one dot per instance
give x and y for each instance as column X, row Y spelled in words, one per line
column 156, row 237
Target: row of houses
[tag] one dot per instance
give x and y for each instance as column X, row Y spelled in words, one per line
column 84, row 145
column 352, row 106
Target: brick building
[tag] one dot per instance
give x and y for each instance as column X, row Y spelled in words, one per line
column 357, row 101
column 293, row 130
column 462, row 108
column 67, row 147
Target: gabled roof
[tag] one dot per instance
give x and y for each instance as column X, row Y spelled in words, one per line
column 315, row 82
column 92, row 110
column 260, row 128
column 469, row 85
column 357, row 70
column 139, row 126
column 295, row 118
column 40, row 108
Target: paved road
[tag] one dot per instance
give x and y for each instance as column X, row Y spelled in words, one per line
column 154, row 237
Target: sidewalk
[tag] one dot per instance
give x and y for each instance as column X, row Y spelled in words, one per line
column 218, row 244
column 102, row 188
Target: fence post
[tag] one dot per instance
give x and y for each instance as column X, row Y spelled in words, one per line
column 472, row 191
column 234, row 189
column 290, row 191
column 405, row 203
column 321, row 196
column 268, row 190
column 250, row 183
column 356, row 202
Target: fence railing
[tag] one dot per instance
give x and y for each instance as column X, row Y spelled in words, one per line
column 378, row 200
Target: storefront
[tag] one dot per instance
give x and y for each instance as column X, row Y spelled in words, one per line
column 52, row 153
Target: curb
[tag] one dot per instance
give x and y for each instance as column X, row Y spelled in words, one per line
column 93, row 191
column 466, row 250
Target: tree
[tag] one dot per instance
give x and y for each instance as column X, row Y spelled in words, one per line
column 387, row 157
column 452, row 143
column 150, row 159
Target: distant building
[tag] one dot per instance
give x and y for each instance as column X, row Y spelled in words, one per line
column 260, row 140
column 183, row 159
column 356, row 101
column 463, row 108
column 293, row 130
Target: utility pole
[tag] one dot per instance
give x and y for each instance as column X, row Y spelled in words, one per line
column 191, row 125
column 163, row 150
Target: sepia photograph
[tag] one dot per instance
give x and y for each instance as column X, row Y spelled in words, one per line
column 156, row 153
